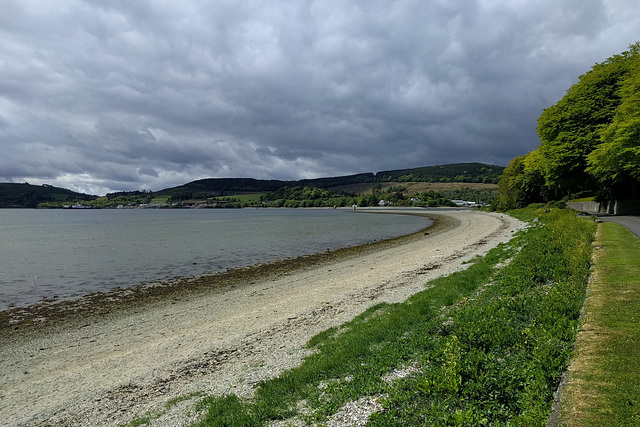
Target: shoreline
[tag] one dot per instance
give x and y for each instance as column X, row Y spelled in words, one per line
column 51, row 313
column 113, row 367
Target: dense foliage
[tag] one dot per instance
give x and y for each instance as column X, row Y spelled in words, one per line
column 484, row 346
column 111, row 200
column 305, row 197
column 29, row 196
column 589, row 140
column 457, row 172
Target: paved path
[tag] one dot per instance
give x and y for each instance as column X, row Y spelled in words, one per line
column 630, row 222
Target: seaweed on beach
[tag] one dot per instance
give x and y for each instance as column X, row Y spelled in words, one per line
column 53, row 312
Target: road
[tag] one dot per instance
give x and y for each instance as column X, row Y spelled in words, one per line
column 630, row 222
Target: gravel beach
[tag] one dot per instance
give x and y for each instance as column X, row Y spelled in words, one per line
column 108, row 359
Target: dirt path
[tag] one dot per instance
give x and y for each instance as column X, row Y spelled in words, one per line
column 108, row 371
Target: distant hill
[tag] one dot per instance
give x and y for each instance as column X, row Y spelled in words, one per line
column 222, row 186
column 458, row 172
column 231, row 186
column 28, row 196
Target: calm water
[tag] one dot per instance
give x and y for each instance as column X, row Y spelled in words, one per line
column 70, row 253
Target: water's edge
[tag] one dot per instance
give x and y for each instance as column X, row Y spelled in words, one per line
column 49, row 314
column 66, row 255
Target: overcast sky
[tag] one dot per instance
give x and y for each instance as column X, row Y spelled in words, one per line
column 110, row 95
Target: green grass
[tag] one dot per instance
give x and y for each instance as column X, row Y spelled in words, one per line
column 485, row 346
column 583, row 199
column 159, row 200
column 150, row 416
column 244, row 198
column 604, row 382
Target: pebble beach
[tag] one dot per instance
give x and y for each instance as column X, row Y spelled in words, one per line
column 108, row 358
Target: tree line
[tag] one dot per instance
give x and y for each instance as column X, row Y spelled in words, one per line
column 589, row 141
column 456, row 172
column 303, row 197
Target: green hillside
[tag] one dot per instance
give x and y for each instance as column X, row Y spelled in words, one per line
column 221, row 187
column 28, row 196
column 456, row 172
column 233, row 186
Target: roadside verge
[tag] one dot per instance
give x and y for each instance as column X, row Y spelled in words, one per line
column 603, row 385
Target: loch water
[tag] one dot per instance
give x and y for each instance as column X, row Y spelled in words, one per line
column 70, row 253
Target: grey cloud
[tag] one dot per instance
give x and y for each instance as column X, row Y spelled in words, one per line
column 148, row 171
column 148, row 94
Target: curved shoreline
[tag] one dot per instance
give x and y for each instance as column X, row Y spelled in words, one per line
column 51, row 313
column 109, row 369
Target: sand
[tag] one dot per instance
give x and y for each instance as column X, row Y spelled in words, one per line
column 108, row 369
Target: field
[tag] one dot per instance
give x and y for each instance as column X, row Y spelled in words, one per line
column 244, row 198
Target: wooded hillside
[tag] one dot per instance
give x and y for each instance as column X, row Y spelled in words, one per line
column 457, row 172
column 25, row 195
column 13, row 195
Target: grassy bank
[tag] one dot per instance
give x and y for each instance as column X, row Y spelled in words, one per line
column 484, row 346
column 604, row 380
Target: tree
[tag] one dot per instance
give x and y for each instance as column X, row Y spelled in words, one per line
column 510, row 185
column 615, row 163
column 571, row 129
column 589, row 140
column 534, row 187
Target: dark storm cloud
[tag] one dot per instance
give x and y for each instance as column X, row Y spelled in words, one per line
column 101, row 96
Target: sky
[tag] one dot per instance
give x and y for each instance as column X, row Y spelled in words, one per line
column 117, row 95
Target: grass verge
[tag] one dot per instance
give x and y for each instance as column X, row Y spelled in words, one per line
column 604, row 379
column 484, row 346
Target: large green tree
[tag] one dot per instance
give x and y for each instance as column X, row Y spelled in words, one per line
column 615, row 163
column 510, row 185
column 589, row 140
column 572, row 128
column 522, row 182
